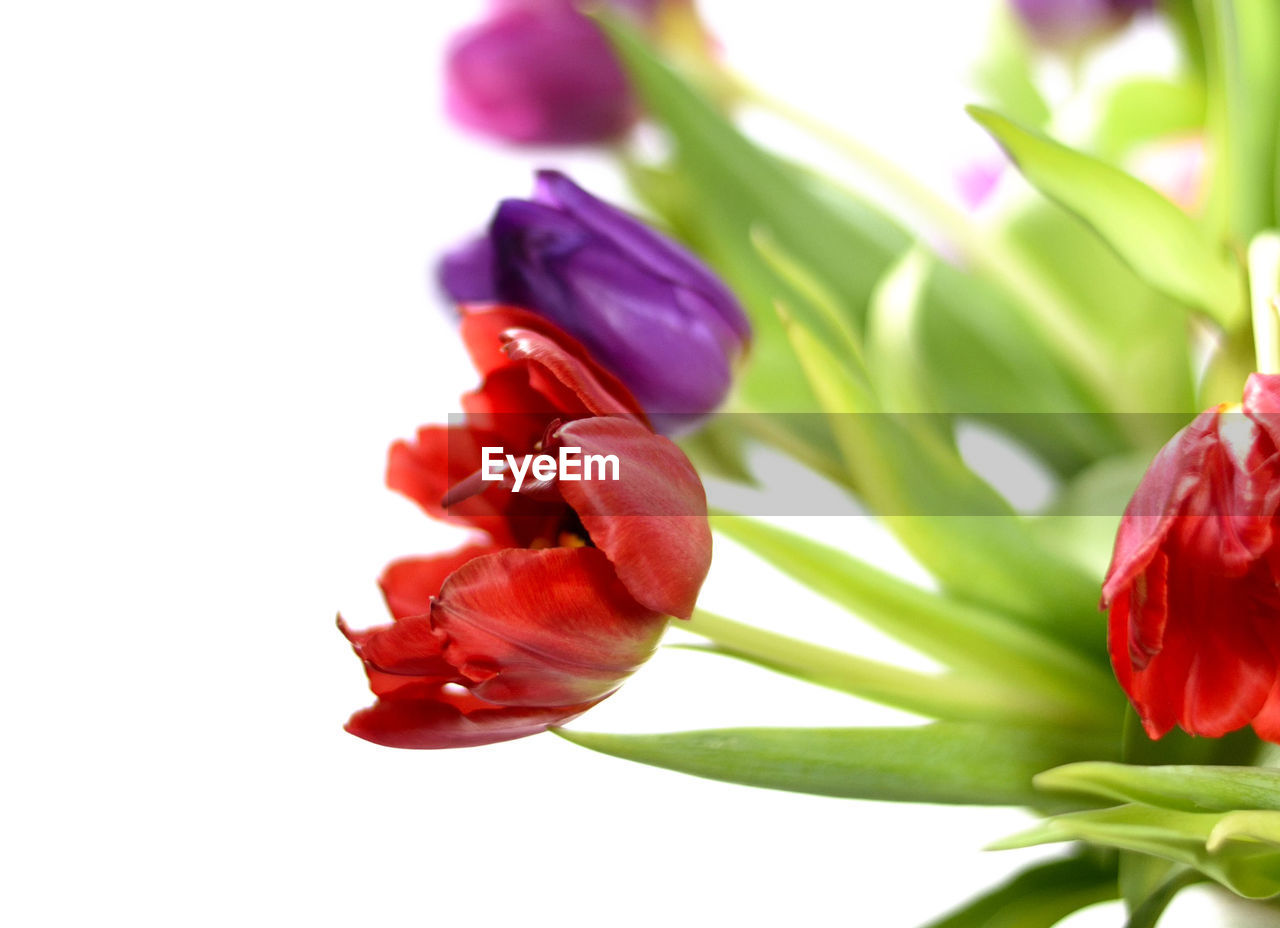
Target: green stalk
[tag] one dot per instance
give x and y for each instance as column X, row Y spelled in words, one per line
column 1264, row 285
column 971, row 640
column 943, row 696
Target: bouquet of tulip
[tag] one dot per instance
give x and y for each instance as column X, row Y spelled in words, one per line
column 1107, row 305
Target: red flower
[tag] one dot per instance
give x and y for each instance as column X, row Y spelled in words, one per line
column 569, row 590
column 1192, row 589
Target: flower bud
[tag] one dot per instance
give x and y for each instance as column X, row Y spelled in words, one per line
column 1068, row 24
column 538, row 72
column 646, row 309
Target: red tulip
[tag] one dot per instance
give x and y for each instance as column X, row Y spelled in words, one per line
column 1194, row 585
column 570, row 587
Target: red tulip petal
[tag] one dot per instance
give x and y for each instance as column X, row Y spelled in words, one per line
column 549, row 627
column 421, row 469
column 410, row 647
column 1118, row 643
column 1231, row 671
column 1262, row 394
column 1172, row 477
column 569, row 378
column 652, row 521
column 482, row 328
column 1226, row 525
column 1214, row 671
column 430, row 716
column 1135, row 638
column 1158, row 690
column 1267, row 722
column 424, row 663
column 576, row 379
column 1149, row 612
column 409, row 584
column 506, row 406
column 439, row 458
column 1262, row 405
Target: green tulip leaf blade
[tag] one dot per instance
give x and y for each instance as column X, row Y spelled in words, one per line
column 990, row 697
column 1181, row 787
column 1227, row 853
column 911, row 476
column 746, row 188
column 1146, row 110
column 1005, row 73
column 1261, row 826
column 1146, row 914
column 964, row 637
column 943, row 762
column 1156, row 238
column 1243, row 118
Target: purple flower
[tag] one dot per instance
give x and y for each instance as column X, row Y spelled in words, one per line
column 645, row 308
column 539, row 72
column 1071, row 23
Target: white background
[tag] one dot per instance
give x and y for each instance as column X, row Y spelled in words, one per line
column 216, row 223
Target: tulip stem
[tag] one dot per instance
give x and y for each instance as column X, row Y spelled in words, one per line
column 983, row 250
column 1264, row 286
column 943, row 696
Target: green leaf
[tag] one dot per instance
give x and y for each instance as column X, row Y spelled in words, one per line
column 1040, row 896
column 1189, row 788
column 823, row 306
column 950, row 519
column 1142, row 877
column 1142, row 110
column 1264, row 288
column 1006, row 71
column 1083, row 520
column 963, row 637
column 771, row 378
column 1157, row 239
column 719, row 449
column 1147, row 913
column 901, row 378
column 1134, row 827
column 1137, row 333
column 1244, row 109
column 1182, row 18
column 771, row 382
column 1262, row 827
column 1268, row 755
column 945, row 762
column 745, row 188
column 1246, row 866
column 941, row 340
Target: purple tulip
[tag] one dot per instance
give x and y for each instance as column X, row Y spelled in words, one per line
column 646, row 308
column 1071, row 23
column 539, row 72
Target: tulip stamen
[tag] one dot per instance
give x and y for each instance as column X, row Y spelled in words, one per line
column 469, row 486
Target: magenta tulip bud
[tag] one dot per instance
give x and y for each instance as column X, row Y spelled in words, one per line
column 539, row 72
column 1072, row 23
